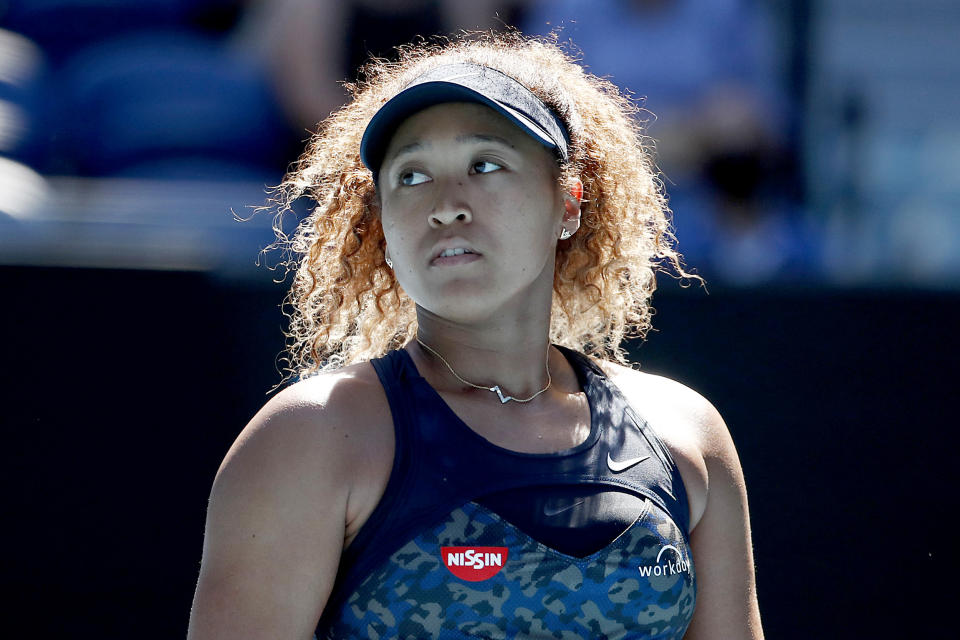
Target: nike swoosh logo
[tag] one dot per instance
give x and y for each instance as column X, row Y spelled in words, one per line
column 547, row 511
column 623, row 465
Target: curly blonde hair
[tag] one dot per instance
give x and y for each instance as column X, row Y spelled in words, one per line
column 345, row 305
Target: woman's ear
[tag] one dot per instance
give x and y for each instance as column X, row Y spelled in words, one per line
column 576, row 190
column 571, row 210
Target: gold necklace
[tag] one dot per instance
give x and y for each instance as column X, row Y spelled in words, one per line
column 495, row 388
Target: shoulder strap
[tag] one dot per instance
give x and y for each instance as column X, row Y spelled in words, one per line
column 392, row 370
column 674, row 496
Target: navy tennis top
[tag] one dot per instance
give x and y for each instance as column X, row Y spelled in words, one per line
column 471, row 540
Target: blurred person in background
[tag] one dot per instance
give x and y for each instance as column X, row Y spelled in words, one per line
column 465, row 452
column 707, row 74
column 223, row 89
column 310, row 46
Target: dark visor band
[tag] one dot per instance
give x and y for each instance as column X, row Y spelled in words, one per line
column 464, row 82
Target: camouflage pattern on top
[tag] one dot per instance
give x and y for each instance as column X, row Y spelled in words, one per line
column 641, row 585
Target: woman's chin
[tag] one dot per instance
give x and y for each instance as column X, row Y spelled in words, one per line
column 460, row 308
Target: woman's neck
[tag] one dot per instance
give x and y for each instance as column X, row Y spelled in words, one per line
column 506, row 350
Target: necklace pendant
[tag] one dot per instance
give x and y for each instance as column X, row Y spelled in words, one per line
column 503, row 399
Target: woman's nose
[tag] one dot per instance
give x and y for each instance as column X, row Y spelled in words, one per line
column 450, row 208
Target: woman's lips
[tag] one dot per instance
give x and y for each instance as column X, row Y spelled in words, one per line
column 453, row 260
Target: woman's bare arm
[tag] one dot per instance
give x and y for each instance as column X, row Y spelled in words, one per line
column 280, row 510
column 722, row 548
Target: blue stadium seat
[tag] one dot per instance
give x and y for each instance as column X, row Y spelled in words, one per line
column 153, row 97
column 61, row 27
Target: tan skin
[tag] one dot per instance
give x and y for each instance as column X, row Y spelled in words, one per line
column 312, row 465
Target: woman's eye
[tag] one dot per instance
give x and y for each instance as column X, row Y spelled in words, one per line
column 410, row 178
column 485, row 166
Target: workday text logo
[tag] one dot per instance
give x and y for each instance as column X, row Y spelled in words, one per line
column 666, row 565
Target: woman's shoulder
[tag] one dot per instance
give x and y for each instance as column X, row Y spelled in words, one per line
column 329, row 408
column 328, row 398
column 688, row 424
column 331, row 432
column 663, row 396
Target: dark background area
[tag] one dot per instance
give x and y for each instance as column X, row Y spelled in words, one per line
column 140, row 338
column 122, row 390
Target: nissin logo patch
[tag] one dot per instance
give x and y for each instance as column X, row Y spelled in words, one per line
column 474, row 563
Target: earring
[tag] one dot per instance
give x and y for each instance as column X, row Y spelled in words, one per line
column 388, row 261
column 565, row 234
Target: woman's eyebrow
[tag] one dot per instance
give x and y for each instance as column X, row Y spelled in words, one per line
column 465, row 138
column 408, row 148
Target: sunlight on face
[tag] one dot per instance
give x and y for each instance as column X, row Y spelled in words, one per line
column 471, row 207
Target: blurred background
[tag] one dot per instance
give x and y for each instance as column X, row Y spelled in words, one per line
column 811, row 151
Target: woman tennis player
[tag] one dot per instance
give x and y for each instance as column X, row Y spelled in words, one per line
column 473, row 459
